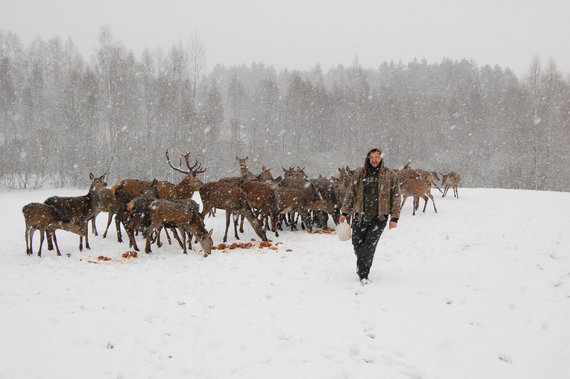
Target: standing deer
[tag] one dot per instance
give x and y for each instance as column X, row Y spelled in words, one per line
column 450, row 180
column 244, row 172
column 79, row 209
column 417, row 188
column 232, row 199
column 42, row 217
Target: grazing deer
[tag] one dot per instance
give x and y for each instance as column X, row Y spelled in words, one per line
column 417, row 188
column 244, row 172
column 263, row 198
column 232, row 199
column 182, row 216
column 450, row 180
column 44, row 218
column 79, row 209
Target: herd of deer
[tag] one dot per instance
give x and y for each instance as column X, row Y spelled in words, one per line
column 147, row 206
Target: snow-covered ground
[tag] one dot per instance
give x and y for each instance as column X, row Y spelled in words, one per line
column 479, row 290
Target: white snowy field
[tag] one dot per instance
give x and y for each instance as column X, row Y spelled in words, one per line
column 479, row 290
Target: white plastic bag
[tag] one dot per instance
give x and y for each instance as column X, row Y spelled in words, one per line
column 343, row 231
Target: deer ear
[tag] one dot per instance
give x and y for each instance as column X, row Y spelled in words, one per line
column 210, row 232
column 246, row 159
column 91, row 176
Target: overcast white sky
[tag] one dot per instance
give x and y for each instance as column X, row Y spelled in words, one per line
column 298, row 34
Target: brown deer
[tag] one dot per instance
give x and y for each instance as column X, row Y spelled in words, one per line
column 184, row 217
column 104, row 201
column 233, row 199
column 293, row 200
column 450, row 180
column 79, row 209
column 244, row 172
column 417, row 188
column 42, row 217
column 328, row 191
column 123, row 194
column 265, row 175
column 263, row 198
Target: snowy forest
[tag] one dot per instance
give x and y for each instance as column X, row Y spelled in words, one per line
column 63, row 115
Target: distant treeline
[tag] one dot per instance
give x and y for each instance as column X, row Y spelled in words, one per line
column 62, row 117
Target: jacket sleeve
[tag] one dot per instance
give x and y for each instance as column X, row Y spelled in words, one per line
column 396, row 198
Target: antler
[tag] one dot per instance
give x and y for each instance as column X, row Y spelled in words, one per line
column 186, row 156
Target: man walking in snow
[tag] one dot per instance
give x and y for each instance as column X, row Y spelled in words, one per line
column 373, row 197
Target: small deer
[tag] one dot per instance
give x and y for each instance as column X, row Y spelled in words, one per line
column 417, row 188
column 46, row 219
column 450, row 180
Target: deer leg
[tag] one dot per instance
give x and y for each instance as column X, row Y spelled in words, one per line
column 87, row 237
column 132, row 241
column 109, row 219
column 227, row 226
column 425, row 202
column 49, row 243
column 241, row 223
column 26, row 234
column 148, row 235
column 118, row 227
column 455, row 193
column 41, row 242
column 183, row 239
column 168, row 236
column 432, row 200
column 55, row 243
column 305, row 219
column 436, row 186
column 255, row 224
column 175, row 234
column 94, row 226
column 236, row 219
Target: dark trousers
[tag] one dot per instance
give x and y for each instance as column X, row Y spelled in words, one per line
column 365, row 236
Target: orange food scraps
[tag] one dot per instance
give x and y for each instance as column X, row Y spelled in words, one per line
column 288, row 250
column 273, row 248
column 102, row 258
column 130, row 254
column 265, row 244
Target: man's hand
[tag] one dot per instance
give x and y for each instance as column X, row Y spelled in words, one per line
column 393, row 225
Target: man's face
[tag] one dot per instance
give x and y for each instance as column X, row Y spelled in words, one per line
column 374, row 158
